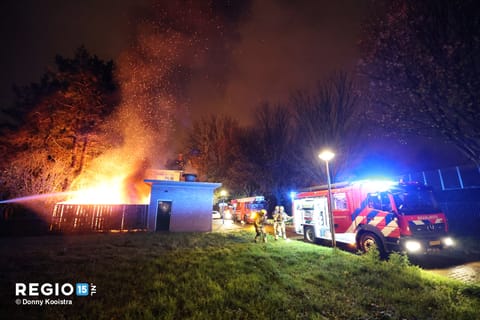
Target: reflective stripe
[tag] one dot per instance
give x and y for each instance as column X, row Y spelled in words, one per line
column 385, row 222
column 417, row 222
column 372, row 214
column 391, row 229
column 388, row 218
column 376, row 221
column 424, row 222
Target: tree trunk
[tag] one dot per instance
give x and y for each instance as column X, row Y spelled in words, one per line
column 82, row 157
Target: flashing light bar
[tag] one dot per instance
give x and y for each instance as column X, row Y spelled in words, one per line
column 377, row 185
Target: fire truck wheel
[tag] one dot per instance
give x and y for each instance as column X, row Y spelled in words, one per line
column 369, row 241
column 309, row 234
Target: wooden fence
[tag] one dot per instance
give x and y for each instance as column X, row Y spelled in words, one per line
column 99, row 217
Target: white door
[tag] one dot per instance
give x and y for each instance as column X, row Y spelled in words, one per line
column 322, row 222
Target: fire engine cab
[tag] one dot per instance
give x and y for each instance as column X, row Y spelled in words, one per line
column 245, row 208
column 390, row 216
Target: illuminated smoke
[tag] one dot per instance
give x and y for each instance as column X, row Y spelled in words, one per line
column 172, row 42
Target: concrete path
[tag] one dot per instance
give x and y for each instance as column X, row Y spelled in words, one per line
column 468, row 272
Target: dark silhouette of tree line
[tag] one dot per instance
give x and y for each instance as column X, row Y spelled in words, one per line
column 279, row 153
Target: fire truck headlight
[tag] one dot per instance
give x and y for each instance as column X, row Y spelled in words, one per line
column 448, row 242
column 413, row 246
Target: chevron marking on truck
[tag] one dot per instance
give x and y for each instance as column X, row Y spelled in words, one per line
column 428, row 221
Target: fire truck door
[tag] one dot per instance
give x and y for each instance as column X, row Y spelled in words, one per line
column 322, row 219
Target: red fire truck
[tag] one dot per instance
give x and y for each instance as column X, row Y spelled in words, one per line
column 390, row 216
column 244, row 208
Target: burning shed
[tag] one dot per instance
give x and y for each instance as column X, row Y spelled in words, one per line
column 180, row 206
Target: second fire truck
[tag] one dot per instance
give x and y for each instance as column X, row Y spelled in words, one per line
column 245, row 208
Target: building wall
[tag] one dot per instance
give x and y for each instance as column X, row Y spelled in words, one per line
column 191, row 209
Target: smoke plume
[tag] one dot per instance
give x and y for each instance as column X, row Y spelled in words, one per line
column 175, row 43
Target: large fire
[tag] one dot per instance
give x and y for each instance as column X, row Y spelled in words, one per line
column 116, row 184
column 153, row 88
column 112, row 191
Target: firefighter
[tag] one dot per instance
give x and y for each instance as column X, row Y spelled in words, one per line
column 279, row 218
column 260, row 219
column 275, row 223
column 274, row 213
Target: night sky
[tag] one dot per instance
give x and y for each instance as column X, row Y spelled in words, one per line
column 280, row 46
column 33, row 32
column 277, row 47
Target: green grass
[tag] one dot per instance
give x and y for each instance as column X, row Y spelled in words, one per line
column 225, row 276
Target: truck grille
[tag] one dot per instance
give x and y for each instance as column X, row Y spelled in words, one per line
column 427, row 228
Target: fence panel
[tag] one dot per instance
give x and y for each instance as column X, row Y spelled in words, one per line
column 433, row 179
column 470, row 176
column 91, row 218
column 463, row 217
column 453, row 178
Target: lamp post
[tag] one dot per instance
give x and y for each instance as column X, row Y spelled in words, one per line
column 326, row 156
column 223, row 194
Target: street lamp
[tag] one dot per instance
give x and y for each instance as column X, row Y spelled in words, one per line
column 223, row 194
column 326, row 156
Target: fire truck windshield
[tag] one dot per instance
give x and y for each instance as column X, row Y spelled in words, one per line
column 415, row 201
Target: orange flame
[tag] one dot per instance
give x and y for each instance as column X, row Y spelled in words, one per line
column 116, row 184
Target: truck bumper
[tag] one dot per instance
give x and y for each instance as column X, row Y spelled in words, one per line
column 420, row 246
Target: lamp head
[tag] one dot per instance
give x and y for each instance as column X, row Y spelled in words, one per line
column 326, row 155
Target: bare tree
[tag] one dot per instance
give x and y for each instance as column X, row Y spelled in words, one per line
column 421, row 61
column 212, row 146
column 267, row 147
column 331, row 118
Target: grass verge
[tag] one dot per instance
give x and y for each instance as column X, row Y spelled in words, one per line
column 224, row 276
